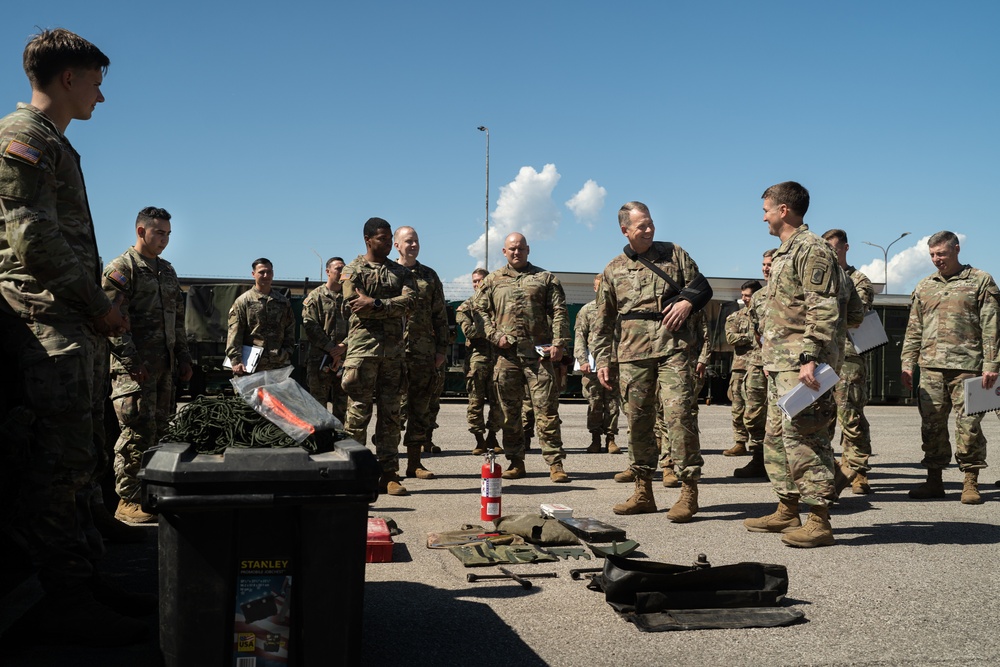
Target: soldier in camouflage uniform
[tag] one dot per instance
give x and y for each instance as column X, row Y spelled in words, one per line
column 952, row 335
column 144, row 360
column 739, row 334
column 602, row 404
column 324, row 318
column 261, row 317
column 647, row 296
column 478, row 373
column 381, row 293
column 426, row 342
column 54, row 317
column 517, row 303
column 800, row 328
column 851, row 392
column 755, row 382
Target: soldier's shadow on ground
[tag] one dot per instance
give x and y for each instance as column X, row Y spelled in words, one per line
column 964, row 533
column 414, row 624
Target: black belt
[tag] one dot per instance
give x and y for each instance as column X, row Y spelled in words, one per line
column 652, row 317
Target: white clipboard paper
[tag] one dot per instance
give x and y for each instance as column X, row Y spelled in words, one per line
column 979, row 400
column 869, row 334
column 801, row 397
column 251, row 355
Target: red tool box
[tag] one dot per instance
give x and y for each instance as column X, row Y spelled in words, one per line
column 379, row 548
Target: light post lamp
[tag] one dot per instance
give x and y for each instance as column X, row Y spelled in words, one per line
column 486, row 252
column 885, row 258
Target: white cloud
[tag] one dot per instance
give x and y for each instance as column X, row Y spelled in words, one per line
column 906, row 268
column 587, row 203
column 525, row 205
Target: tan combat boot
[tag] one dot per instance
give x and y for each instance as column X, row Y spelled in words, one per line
column 642, row 501
column 843, row 476
column 860, row 486
column 113, row 530
column 815, row 533
column 625, row 476
column 932, row 488
column 739, row 449
column 612, row 446
column 970, row 488
column 557, row 474
column 133, row 513
column 515, row 470
column 480, row 448
column 595, row 444
column 491, row 443
column 389, row 483
column 687, row 505
column 414, row 468
column 670, row 478
column 786, row 517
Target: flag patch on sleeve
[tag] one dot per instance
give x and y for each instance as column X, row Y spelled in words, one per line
column 118, row 277
column 24, row 151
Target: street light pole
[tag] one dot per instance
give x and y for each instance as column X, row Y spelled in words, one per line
column 486, row 252
column 885, row 257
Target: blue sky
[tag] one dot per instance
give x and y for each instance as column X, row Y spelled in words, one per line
column 277, row 129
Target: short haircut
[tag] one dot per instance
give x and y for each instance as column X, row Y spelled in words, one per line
column 943, row 238
column 150, row 213
column 334, row 259
column 752, row 285
column 789, row 193
column 395, row 234
column 372, row 225
column 51, row 52
column 838, row 234
column 480, row 271
column 260, row 260
column 625, row 212
column 770, row 253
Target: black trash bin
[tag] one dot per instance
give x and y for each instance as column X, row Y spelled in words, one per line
column 262, row 553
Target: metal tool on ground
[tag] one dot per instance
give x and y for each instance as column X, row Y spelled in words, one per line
column 566, row 553
column 507, row 574
column 616, row 549
column 581, row 572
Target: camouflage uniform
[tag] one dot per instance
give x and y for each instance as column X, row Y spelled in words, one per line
column 699, row 353
column 654, row 364
column 264, row 320
column 519, row 304
column 802, row 317
column 478, row 371
column 851, row 393
column 755, row 383
column 50, row 291
column 373, row 368
column 324, row 317
column 952, row 335
column 154, row 304
column 602, row 404
column 739, row 334
column 426, row 335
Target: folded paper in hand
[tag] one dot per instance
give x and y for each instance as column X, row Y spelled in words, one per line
column 801, row 397
column 979, row 400
column 869, row 334
column 251, row 355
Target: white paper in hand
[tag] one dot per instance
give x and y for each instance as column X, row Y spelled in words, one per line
column 979, row 400
column 801, row 397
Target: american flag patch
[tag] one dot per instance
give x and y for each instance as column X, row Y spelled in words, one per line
column 118, row 277
column 24, row 151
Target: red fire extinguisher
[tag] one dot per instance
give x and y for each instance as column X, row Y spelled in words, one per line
column 489, row 498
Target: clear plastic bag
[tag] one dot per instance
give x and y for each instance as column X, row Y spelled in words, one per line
column 285, row 403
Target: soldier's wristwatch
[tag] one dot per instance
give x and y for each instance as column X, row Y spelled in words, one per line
column 377, row 304
column 807, row 358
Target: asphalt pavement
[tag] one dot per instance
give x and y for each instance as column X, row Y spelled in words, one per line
column 908, row 582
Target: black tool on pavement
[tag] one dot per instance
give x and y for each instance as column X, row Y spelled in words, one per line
column 507, row 574
column 592, row 530
column 578, row 573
